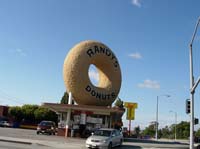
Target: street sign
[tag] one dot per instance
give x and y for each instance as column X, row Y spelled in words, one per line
column 130, row 114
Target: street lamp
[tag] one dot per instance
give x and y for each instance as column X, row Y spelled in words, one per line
column 175, row 123
column 193, row 86
column 156, row 135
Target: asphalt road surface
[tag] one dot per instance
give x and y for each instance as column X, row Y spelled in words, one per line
column 46, row 141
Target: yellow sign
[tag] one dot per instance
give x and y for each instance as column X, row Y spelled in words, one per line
column 130, row 114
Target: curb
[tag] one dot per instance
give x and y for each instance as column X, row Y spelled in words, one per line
column 13, row 141
column 152, row 141
column 22, row 142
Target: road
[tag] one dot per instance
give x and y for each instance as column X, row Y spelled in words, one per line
column 28, row 139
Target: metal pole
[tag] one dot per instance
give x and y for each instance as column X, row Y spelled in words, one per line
column 191, row 101
column 156, row 135
column 157, row 120
column 192, row 92
column 175, row 125
column 195, row 31
column 68, row 115
column 129, row 128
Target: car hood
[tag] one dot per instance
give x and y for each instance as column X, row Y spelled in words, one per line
column 98, row 137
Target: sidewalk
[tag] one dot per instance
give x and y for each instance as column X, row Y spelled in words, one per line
column 47, row 144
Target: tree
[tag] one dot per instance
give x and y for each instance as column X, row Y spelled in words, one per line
column 65, row 98
column 119, row 103
column 16, row 113
column 197, row 134
column 183, row 130
column 45, row 114
column 137, row 130
column 150, row 130
column 28, row 111
column 32, row 113
column 166, row 133
column 40, row 114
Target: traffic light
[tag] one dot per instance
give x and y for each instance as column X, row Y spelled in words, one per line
column 196, row 121
column 188, row 106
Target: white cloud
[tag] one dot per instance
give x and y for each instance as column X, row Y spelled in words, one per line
column 136, row 3
column 94, row 75
column 20, row 52
column 149, row 84
column 136, row 55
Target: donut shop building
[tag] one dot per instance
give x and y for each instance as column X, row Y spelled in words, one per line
column 93, row 109
column 81, row 120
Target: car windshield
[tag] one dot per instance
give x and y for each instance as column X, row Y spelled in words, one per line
column 46, row 124
column 102, row 133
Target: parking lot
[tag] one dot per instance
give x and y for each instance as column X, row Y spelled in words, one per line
column 23, row 138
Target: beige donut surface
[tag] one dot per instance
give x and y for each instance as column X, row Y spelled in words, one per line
column 76, row 78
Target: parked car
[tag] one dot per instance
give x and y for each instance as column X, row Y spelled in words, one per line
column 5, row 124
column 47, row 127
column 105, row 138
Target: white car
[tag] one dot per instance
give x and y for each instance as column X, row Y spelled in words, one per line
column 104, row 138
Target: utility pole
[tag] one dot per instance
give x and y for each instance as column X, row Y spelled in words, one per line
column 156, row 135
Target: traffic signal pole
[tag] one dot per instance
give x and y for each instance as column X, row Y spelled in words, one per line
column 192, row 89
column 191, row 103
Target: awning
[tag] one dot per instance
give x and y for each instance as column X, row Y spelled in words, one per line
column 60, row 108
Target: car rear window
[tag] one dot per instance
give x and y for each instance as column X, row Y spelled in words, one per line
column 46, row 123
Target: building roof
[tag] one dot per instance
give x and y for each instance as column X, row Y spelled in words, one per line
column 59, row 108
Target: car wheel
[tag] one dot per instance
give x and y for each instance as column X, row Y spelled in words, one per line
column 110, row 145
column 38, row 132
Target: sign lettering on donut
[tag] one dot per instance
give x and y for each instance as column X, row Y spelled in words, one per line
column 76, row 78
column 101, row 50
column 99, row 95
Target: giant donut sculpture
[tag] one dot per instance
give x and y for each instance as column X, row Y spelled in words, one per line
column 76, row 78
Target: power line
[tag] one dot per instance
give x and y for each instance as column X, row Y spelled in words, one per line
column 8, row 97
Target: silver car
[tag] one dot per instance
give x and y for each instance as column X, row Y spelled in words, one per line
column 104, row 138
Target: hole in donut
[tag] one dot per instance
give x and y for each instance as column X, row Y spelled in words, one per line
column 93, row 75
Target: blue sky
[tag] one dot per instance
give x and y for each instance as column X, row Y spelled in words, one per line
column 149, row 37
